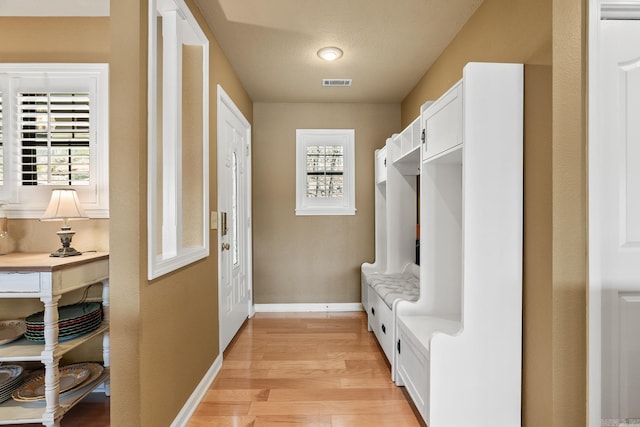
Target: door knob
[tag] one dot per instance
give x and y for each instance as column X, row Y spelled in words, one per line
column 226, row 246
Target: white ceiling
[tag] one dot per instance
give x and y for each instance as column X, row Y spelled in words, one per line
column 388, row 44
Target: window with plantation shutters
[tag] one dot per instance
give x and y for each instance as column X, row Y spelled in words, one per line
column 325, row 175
column 54, row 134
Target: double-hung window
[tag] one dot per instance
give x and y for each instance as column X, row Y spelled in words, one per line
column 53, row 134
column 325, row 163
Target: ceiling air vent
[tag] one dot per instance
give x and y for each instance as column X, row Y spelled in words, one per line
column 336, row 82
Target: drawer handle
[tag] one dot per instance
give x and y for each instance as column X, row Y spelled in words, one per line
column 398, row 346
column 373, row 311
column 384, row 329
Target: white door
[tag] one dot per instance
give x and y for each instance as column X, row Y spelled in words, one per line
column 234, row 207
column 614, row 217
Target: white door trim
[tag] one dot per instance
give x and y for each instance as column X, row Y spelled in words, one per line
column 594, row 311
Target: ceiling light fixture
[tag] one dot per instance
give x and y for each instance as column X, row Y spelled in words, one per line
column 330, row 53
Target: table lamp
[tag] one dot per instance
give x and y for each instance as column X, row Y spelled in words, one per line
column 64, row 205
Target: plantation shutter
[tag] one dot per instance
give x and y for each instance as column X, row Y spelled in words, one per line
column 54, row 130
column 325, row 171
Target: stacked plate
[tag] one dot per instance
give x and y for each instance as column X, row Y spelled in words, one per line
column 11, row 330
column 10, row 380
column 71, row 377
column 73, row 321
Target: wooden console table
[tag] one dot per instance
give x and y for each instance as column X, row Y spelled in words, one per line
column 31, row 275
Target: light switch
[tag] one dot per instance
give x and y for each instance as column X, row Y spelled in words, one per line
column 214, row 220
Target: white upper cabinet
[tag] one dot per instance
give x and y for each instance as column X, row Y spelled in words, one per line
column 442, row 123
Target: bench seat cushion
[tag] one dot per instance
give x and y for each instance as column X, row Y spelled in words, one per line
column 394, row 286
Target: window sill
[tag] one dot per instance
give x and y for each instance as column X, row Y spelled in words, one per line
column 325, row 211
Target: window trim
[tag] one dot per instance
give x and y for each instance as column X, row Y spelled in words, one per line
column 167, row 253
column 95, row 197
column 318, row 206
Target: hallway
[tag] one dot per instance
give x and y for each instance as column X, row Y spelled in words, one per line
column 304, row 369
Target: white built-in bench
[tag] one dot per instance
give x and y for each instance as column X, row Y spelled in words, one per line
column 394, row 275
column 384, row 290
column 455, row 340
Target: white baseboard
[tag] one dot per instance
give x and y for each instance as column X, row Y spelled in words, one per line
column 194, row 400
column 292, row 308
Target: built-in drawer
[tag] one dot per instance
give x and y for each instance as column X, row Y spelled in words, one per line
column 381, row 322
column 14, row 282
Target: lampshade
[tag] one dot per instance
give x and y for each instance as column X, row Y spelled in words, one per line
column 64, row 205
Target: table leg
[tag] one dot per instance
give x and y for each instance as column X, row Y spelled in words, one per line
column 51, row 362
column 106, row 353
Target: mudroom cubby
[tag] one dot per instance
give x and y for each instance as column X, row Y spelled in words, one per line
column 394, row 274
column 458, row 347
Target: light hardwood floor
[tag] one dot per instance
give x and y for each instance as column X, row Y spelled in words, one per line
column 294, row 369
column 305, row 369
column 92, row 411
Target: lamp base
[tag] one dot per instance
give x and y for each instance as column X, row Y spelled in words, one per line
column 63, row 252
column 65, row 234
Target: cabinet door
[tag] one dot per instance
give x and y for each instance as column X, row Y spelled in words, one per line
column 442, row 123
column 413, row 368
column 384, row 331
column 381, row 165
column 381, row 322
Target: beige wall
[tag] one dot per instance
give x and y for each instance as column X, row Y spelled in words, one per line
column 165, row 332
column 569, row 214
column 153, row 323
column 57, row 39
column 499, row 31
column 127, row 200
column 166, row 309
column 537, row 269
column 311, row 259
column 554, row 358
column 54, row 40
